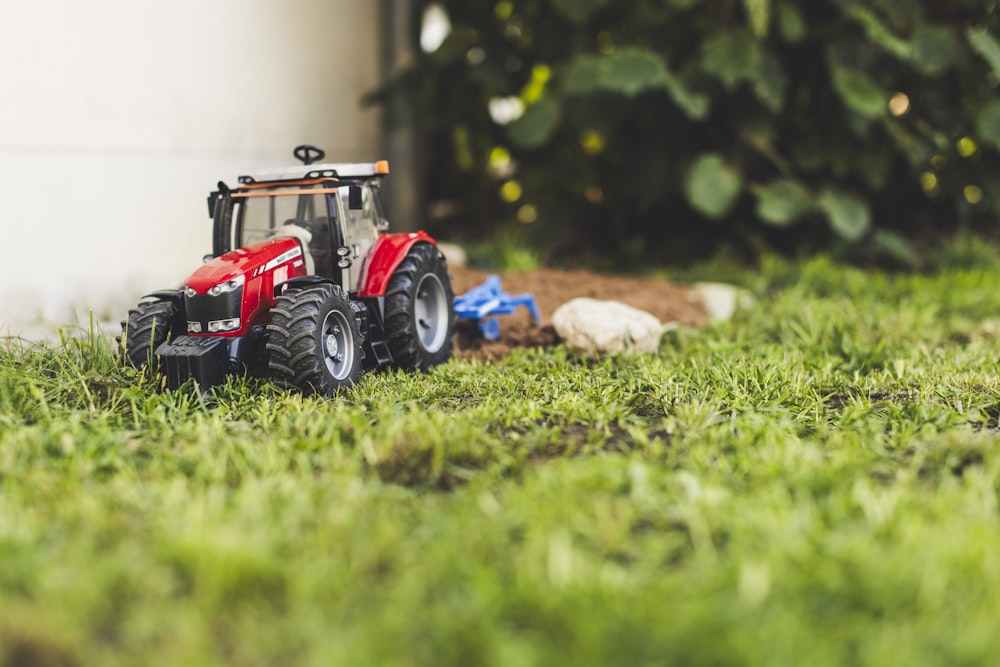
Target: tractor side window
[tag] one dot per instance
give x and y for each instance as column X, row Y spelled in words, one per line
column 360, row 226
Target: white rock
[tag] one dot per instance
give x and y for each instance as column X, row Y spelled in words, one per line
column 720, row 299
column 606, row 327
column 454, row 254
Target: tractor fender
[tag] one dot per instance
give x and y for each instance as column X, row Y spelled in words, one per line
column 175, row 295
column 300, row 282
column 387, row 254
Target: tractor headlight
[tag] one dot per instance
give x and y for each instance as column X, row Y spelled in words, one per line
column 194, row 327
column 218, row 326
column 227, row 286
column 189, row 292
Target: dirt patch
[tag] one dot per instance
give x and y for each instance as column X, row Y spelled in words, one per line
column 664, row 300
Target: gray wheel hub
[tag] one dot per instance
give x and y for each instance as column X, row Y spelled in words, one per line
column 338, row 345
column 430, row 310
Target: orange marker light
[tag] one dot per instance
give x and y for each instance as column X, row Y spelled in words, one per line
column 382, row 167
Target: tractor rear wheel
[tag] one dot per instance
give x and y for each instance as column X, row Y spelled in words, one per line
column 147, row 327
column 314, row 340
column 420, row 310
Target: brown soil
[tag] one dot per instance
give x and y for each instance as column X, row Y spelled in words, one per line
column 551, row 288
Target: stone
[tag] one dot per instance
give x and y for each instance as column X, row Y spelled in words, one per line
column 721, row 300
column 593, row 326
column 454, row 254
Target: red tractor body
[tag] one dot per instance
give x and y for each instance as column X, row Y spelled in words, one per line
column 389, row 251
column 256, row 270
column 304, row 285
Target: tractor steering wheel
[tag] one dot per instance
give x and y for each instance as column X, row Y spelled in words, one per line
column 309, row 154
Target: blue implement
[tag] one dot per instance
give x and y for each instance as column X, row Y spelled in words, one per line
column 484, row 301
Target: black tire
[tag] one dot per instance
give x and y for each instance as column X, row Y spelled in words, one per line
column 420, row 310
column 148, row 326
column 314, row 340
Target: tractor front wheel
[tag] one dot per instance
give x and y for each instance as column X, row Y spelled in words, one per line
column 420, row 310
column 147, row 327
column 314, row 340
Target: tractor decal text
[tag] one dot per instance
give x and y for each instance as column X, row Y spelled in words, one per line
column 280, row 259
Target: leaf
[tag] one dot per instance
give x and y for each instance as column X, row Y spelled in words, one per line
column 988, row 122
column 759, row 14
column 535, row 127
column 912, row 146
column 880, row 34
column 585, row 74
column 782, row 202
column 579, row 11
column 791, row 25
column 711, row 185
column 628, row 72
column 935, row 49
column 463, row 151
column 848, row 214
column 896, row 247
column 771, row 85
column 694, row 105
column 732, row 57
column 983, row 43
column 859, row 92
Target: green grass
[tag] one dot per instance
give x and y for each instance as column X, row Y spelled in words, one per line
column 815, row 482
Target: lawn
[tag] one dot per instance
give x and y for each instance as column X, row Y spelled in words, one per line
column 813, row 482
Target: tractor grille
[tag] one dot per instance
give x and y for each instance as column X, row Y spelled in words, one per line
column 205, row 308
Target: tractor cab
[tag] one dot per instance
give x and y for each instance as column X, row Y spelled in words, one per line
column 333, row 210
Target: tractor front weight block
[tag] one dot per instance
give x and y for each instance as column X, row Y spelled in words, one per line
column 203, row 359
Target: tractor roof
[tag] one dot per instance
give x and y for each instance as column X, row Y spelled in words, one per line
column 324, row 170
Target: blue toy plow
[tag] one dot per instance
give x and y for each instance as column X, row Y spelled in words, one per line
column 484, row 301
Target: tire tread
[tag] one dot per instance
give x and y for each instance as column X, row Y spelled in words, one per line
column 294, row 345
column 402, row 336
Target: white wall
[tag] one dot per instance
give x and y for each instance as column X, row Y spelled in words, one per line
column 117, row 117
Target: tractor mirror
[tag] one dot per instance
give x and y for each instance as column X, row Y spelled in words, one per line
column 354, row 198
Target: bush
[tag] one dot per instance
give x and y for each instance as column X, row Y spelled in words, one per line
column 637, row 130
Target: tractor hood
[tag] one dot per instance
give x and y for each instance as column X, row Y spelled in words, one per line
column 234, row 292
column 250, row 262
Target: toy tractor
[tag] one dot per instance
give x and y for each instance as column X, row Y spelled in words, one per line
column 304, row 285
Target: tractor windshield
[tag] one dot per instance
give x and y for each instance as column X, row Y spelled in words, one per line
column 261, row 215
column 299, row 211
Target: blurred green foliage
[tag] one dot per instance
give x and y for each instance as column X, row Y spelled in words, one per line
column 650, row 130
